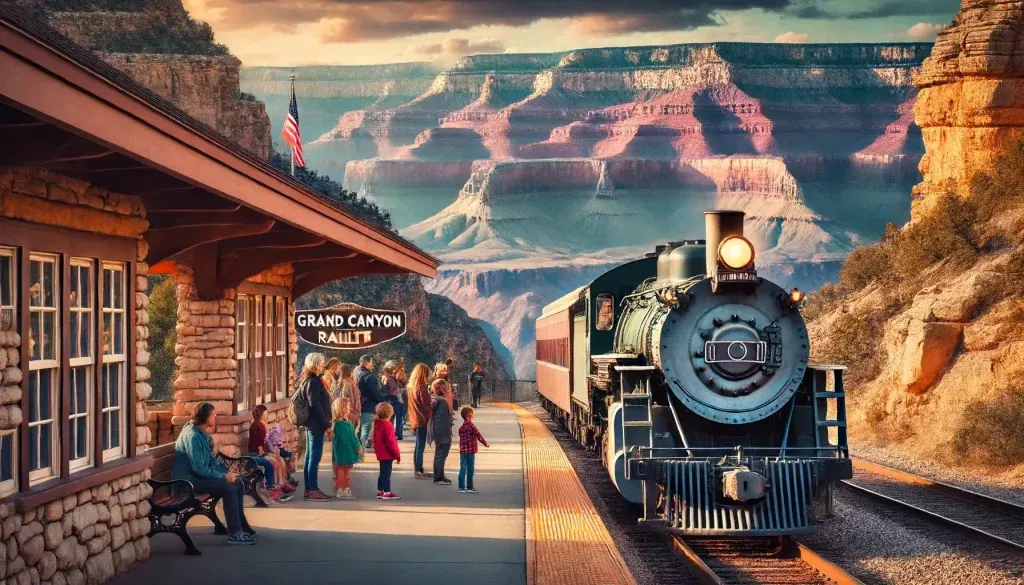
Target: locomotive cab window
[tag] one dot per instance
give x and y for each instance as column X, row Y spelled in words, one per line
column 605, row 312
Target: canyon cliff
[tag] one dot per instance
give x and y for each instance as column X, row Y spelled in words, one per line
column 543, row 168
column 937, row 351
column 162, row 47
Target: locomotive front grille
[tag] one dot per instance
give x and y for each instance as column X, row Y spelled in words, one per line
column 693, row 503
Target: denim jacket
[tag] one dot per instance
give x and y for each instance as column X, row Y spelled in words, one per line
column 193, row 456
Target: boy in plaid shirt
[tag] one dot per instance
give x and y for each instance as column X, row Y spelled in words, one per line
column 469, row 435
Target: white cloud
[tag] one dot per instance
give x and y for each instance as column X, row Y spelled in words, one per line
column 792, row 37
column 924, row 31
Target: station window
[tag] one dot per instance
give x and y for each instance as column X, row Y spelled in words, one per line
column 44, row 368
column 114, row 360
column 83, row 328
column 262, row 334
column 8, row 462
column 75, row 352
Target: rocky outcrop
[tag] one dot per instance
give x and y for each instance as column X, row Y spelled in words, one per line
column 971, row 105
column 206, row 88
column 943, row 362
column 157, row 43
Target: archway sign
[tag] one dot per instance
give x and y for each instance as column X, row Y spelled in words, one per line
column 349, row 326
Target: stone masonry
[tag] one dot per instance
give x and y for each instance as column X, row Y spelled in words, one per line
column 90, row 536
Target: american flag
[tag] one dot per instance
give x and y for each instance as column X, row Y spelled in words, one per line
column 291, row 133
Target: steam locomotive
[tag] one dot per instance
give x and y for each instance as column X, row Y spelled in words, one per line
column 691, row 375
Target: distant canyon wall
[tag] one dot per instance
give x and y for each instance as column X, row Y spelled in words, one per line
column 549, row 168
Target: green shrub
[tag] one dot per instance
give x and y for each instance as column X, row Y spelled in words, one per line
column 163, row 317
column 864, row 265
column 947, row 233
column 1002, row 188
column 991, row 433
column 853, row 340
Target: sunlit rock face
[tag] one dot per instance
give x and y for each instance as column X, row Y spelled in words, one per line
column 971, row 105
column 548, row 168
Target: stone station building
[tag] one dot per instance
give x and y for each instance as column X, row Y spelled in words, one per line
column 102, row 183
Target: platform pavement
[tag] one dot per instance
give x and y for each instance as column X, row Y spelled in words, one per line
column 433, row 536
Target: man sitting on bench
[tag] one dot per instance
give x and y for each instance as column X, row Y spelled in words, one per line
column 194, row 461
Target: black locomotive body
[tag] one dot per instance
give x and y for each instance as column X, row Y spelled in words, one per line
column 691, row 375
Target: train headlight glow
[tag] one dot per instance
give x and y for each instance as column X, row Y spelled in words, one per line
column 736, row 252
column 796, row 295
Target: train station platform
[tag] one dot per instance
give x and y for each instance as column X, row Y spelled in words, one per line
column 531, row 524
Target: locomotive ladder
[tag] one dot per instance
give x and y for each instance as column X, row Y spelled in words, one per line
column 819, row 387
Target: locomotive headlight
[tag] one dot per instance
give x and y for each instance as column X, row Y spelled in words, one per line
column 736, row 252
column 796, row 295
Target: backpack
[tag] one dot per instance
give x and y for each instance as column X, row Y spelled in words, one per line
column 299, row 411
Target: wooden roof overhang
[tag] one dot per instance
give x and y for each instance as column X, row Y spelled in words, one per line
column 208, row 201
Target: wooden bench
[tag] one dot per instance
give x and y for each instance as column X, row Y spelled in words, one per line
column 174, row 501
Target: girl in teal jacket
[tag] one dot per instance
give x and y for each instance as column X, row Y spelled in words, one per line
column 345, row 447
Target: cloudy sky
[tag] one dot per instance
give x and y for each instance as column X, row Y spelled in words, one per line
column 354, row 32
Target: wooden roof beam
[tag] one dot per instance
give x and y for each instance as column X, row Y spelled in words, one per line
column 236, row 267
column 308, row 281
column 167, row 243
column 216, row 217
column 275, row 238
column 43, row 145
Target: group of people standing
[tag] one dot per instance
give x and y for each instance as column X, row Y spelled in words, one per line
column 359, row 411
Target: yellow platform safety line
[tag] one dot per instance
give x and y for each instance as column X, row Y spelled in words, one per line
column 566, row 540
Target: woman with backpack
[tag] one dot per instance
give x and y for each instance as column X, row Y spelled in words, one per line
column 311, row 407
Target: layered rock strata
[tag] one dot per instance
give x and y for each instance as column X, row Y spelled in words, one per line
column 971, row 105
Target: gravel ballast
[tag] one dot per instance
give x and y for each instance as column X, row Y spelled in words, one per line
column 1004, row 488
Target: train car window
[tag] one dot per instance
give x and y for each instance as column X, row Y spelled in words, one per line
column 605, row 312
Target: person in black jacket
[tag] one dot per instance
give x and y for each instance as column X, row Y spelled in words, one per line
column 371, row 393
column 319, row 401
column 476, row 382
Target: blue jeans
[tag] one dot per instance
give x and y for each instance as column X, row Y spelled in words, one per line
column 399, row 417
column 417, row 453
column 268, row 470
column 467, row 464
column 365, row 425
column 231, row 494
column 314, row 453
column 384, row 479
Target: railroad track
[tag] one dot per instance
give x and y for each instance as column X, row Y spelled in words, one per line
column 720, row 561
column 966, row 511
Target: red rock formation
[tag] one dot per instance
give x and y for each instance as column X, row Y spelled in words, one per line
column 971, row 106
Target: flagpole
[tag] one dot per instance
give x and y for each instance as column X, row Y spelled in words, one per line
column 292, row 150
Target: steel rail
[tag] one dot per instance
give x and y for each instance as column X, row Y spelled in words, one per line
column 791, row 550
column 944, row 489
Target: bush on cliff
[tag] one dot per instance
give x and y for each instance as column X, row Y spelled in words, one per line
column 991, row 432
column 334, row 191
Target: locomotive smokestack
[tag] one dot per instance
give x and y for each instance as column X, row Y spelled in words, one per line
column 720, row 225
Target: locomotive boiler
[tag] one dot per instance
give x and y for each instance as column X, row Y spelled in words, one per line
column 691, row 375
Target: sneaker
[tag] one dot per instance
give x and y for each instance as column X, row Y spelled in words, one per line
column 285, row 498
column 380, row 495
column 442, row 481
column 241, row 539
column 316, row 496
column 421, row 475
column 347, row 494
column 391, row 496
column 339, row 494
column 288, row 488
column 462, row 490
column 275, row 495
column 471, row 491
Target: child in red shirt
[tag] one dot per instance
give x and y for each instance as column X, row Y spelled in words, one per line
column 385, row 447
column 468, row 437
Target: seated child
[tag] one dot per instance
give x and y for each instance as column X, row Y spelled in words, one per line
column 345, row 448
column 273, row 467
column 274, row 440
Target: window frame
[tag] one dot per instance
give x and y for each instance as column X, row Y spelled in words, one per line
column 86, row 318
column 12, row 254
column 120, row 359
column 21, row 240
column 44, row 363
column 260, row 379
column 10, row 486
